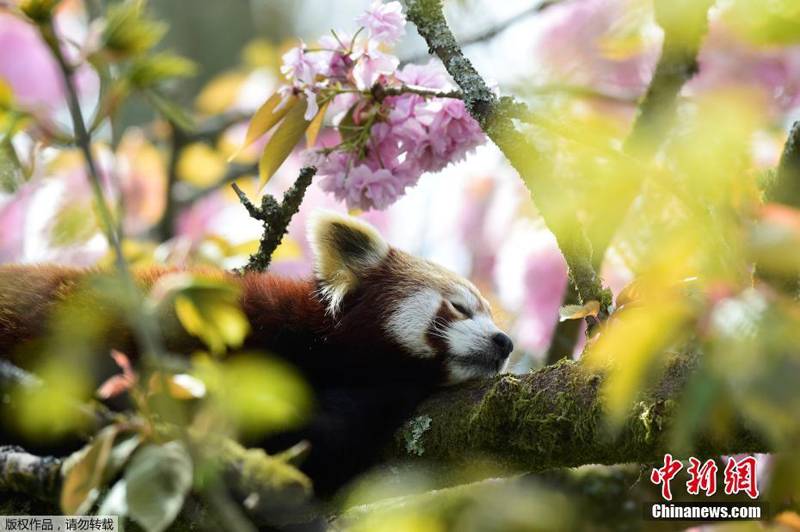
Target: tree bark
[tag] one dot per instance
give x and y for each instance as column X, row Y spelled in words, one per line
column 552, row 418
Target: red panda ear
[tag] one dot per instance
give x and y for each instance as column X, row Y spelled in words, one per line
column 344, row 247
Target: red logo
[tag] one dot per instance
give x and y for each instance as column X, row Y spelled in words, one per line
column 739, row 476
column 664, row 475
column 703, row 477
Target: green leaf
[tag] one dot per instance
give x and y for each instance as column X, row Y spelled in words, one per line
column 316, row 125
column 82, row 483
column 122, row 450
column 283, row 141
column 157, row 481
column 12, row 175
column 207, row 308
column 347, row 127
column 155, row 69
column 262, row 394
column 576, row 312
column 776, row 22
column 74, row 223
column 129, row 30
column 116, row 501
column 265, row 119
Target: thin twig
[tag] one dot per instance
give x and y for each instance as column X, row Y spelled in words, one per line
column 143, row 323
column 275, row 217
column 493, row 31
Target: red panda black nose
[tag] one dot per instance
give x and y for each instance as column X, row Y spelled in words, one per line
column 503, row 343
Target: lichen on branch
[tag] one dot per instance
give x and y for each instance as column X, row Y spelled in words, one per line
column 275, row 217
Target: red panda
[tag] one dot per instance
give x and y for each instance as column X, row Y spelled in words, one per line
column 374, row 331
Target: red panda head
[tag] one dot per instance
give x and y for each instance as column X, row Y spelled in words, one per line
column 429, row 311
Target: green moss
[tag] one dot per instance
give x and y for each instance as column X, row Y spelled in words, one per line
column 261, row 471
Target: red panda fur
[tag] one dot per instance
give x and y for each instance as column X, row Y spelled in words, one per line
column 363, row 381
column 334, row 328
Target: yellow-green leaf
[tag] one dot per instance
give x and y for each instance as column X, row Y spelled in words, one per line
column 262, row 394
column 82, row 483
column 265, row 119
column 630, row 347
column 575, row 312
column 316, row 125
column 207, row 308
column 283, row 141
column 151, row 70
column 74, row 223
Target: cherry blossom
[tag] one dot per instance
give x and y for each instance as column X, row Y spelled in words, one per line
column 386, row 22
column 392, row 123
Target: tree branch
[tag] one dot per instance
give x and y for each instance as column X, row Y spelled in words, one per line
column 275, row 217
column 495, row 117
column 22, row 472
column 551, row 418
column 269, row 487
column 685, row 24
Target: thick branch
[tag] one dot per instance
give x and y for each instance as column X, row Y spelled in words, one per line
column 495, row 117
column 21, row 472
column 269, row 487
column 548, row 419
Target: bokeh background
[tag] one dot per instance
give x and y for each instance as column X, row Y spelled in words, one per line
column 585, row 63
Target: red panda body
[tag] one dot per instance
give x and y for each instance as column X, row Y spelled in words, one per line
column 374, row 332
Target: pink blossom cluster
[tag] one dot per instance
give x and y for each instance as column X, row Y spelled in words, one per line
column 393, row 124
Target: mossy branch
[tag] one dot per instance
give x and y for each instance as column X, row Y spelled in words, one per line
column 24, row 473
column 275, row 217
column 534, row 166
column 551, row 418
column 268, row 487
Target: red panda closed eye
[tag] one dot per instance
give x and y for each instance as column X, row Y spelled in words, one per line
column 373, row 331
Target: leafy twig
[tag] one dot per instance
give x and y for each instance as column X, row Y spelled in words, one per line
column 275, row 217
column 494, row 31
